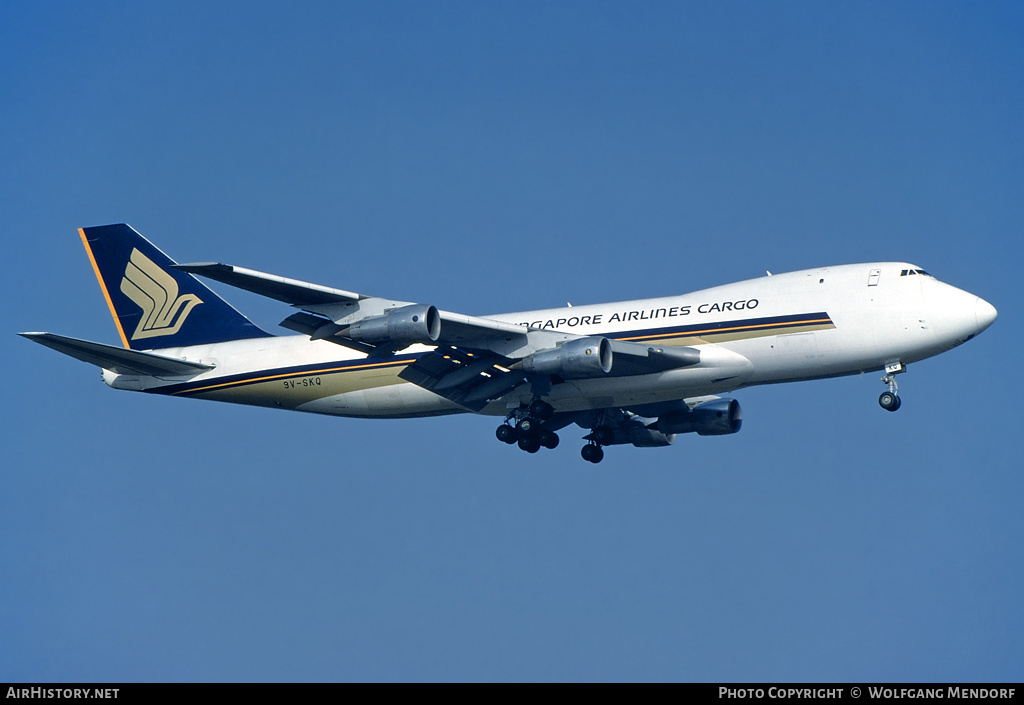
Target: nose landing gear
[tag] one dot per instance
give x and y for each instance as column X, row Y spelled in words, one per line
column 890, row 400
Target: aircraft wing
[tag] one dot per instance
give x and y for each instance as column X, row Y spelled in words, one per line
column 323, row 300
column 474, row 378
column 466, row 378
column 475, row 359
column 328, row 305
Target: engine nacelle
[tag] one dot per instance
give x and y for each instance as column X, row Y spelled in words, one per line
column 649, row 438
column 401, row 326
column 718, row 417
column 636, row 434
column 584, row 357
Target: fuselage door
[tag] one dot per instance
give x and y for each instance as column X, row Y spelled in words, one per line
column 873, row 276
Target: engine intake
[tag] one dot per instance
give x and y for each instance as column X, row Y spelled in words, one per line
column 718, row 417
column 584, row 357
column 400, row 326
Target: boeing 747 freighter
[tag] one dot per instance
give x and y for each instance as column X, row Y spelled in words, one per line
column 632, row 372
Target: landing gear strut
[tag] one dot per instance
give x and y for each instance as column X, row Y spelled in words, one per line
column 890, row 400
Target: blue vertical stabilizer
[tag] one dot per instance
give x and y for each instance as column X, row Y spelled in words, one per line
column 155, row 305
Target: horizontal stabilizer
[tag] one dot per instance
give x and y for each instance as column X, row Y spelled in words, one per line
column 119, row 360
column 291, row 291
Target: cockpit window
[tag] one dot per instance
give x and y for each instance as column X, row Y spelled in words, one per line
column 909, row 272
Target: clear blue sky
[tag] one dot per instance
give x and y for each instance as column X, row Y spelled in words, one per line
column 490, row 157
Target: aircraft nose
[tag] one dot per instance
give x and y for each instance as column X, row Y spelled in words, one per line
column 957, row 315
column 985, row 313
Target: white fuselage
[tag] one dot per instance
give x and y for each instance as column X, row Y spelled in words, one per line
column 797, row 326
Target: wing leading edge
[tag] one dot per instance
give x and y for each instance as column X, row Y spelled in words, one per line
column 345, row 307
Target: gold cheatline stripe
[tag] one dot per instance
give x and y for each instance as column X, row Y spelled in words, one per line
column 691, row 333
column 103, row 286
column 292, row 374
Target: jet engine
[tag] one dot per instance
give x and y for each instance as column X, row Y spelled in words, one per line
column 583, row 357
column 401, row 326
column 718, row 417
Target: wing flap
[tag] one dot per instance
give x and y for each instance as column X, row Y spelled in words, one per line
column 465, row 378
column 119, row 360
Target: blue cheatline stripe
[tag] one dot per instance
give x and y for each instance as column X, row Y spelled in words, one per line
column 748, row 325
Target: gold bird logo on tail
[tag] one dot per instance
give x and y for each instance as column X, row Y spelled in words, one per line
column 156, row 293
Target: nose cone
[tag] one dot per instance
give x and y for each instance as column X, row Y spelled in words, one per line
column 955, row 315
column 985, row 313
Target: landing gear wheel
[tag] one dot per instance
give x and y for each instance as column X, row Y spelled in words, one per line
column 530, row 445
column 541, row 409
column 548, row 439
column 602, row 435
column 592, row 453
column 527, row 426
column 889, row 401
column 507, row 434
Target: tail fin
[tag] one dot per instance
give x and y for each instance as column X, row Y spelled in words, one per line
column 154, row 305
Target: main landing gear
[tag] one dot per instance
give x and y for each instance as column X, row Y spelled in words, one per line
column 598, row 436
column 528, row 431
column 525, row 427
column 592, row 453
column 890, row 400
